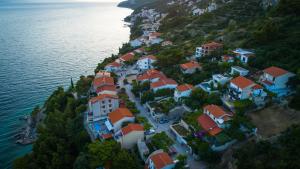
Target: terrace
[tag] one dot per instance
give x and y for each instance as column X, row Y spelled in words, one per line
column 99, row 128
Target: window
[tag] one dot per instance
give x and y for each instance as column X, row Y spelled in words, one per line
column 103, row 107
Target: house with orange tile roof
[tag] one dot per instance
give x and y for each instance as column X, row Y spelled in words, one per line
column 101, row 105
column 154, row 38
column 107, row 89
column 208, row 125
column 129, row 135
column 118, row 117
column 113, row 67
column 276, row 79
column 218, row 115
column 159, row 160
column 183, row 90
column 241, row 88
column 243, row 55
column 208, row 48
column 163, row 83
column 127, row 57
column 151, row 75
column 103, row 81
column 146, row 62
column 190, row 67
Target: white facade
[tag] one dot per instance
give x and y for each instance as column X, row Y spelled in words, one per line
column 199, row 52
column 145, row 63
column 242, row 93
column 220, row 79
column 118, row 125
column 243, row 55
column 129, row 140
column 102, row 107
column 239, row 70
column 279, row 81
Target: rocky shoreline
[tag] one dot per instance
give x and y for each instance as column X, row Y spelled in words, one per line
column 27, row 134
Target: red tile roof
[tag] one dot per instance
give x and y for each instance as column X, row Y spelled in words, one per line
column 132, row 127
column 275, row 71
column 184, row 87
column 156, row 34
column 127, row 57
column 114, row 64
column 226, row 58
column 208, row 125
column 119, row 114
column 103, row 96
column 163, row 82
column 256, row 86
column 103, row 81
column 215, row 110
column 161, row 160
column 106, row 136
column 190, row 65
column 213, row 45
column 106, row 88
column 242, row 82
column 152, row 57
column 151, row 74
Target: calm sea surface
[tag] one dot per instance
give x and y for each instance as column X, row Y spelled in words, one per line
column 44, row 44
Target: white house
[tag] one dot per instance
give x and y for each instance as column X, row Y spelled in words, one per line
column 219, row 79
column 151, row 75
column 190, row 67
column 184, row 90
column 154, row 38
column 118, row 117
column 163, row 84
column 159, row 160
column 129, row 135
column 243, row 55
column 239, row 70
column 218, row 115
column 275, row 80
column 145, row 63
column 101, row 105
column 198, row 11
column 102, row 81
column 113, row 67
column 241, row 88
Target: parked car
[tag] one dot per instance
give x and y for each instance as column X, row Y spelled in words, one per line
column 150, row 131
column 163, row 121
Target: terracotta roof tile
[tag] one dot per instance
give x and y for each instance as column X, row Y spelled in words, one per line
column 163, row 82
column 103, row 81
column 114, row 64
column 127, row 57
column 190, row 65
column 161, row 160
column 242, row 82
column 213, row 45
column 215, row 110
column 151, row 74
column 118, row 114
column 275, row 71
column 106, row 88
column 103, row 96
column 184, row 87
column 208, row 125
column 132, row 127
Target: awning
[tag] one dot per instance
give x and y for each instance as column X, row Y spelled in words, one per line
column 108, row 125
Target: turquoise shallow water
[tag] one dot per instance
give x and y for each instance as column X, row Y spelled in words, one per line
column 43, row 45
